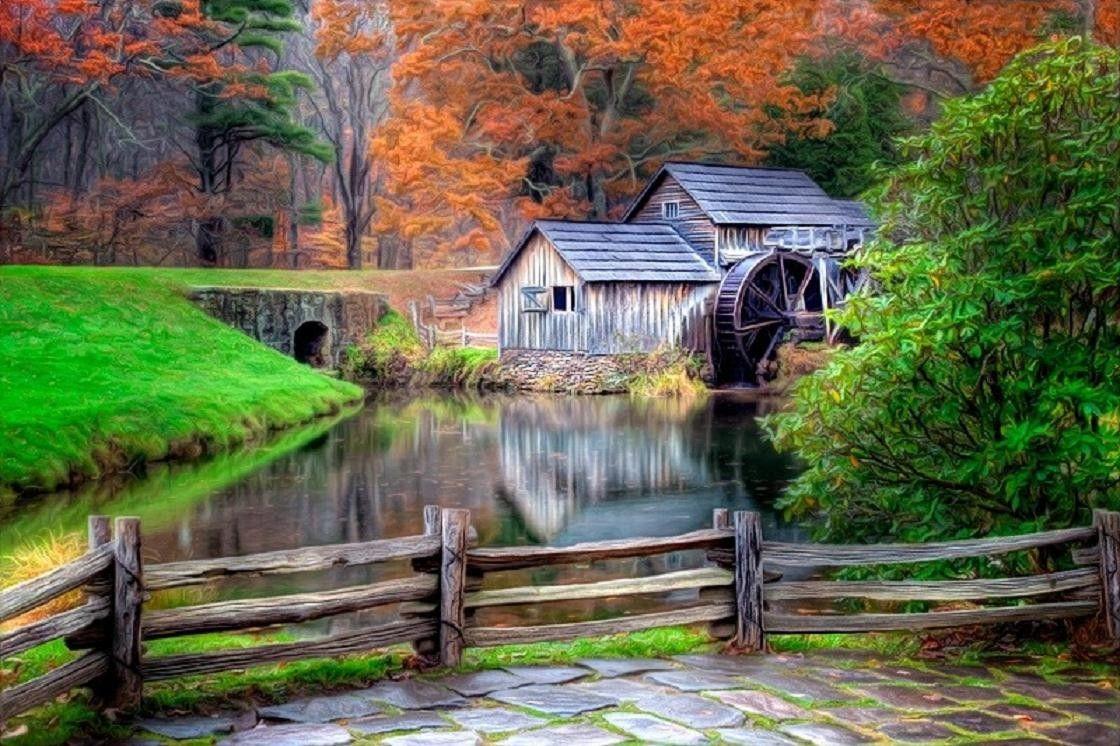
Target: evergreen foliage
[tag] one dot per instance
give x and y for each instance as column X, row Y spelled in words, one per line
column 982, row 396
column 867, row 117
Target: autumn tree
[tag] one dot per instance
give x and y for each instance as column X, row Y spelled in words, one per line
column 565, row 107
column 949, row 47
column 56, row 57
column 353, row 44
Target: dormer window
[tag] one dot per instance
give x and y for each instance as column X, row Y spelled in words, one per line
column 670, row 210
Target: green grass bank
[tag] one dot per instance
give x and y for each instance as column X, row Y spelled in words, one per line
column 103, row 369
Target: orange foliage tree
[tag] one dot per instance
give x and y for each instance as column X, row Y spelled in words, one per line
column 949, row 47
column 350, row 65
column 510, row 109
column 55, row 57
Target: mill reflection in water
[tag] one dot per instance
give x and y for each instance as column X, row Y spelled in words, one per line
column 555, row 470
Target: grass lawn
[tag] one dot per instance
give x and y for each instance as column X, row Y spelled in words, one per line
column 100, row 369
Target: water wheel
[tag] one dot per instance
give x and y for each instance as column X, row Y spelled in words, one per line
column 761, row 301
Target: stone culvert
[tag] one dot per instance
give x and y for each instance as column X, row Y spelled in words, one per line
column 313, row 326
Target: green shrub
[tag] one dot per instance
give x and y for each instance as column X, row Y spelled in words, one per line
column 459, row 367
column 982, row 396
column 388, row 354
column 663, row 373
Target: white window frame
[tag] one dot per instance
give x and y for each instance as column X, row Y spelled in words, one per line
column 671, row 210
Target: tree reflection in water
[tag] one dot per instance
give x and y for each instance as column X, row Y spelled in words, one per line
column 555, row 470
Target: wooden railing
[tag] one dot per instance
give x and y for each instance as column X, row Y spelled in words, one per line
column 737, row 595
column 433, row 336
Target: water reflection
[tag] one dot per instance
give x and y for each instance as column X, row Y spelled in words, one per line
column 556, row 470
column 531, row 469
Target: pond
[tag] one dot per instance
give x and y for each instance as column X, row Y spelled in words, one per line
column 550, row 470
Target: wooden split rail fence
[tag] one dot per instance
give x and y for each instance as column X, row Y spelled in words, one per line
column 432, row 335
column 737, row 595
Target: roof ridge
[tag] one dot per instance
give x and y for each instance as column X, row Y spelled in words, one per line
column 738, row 166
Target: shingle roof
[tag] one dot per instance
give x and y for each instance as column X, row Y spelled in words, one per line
column 635, row 252
column 749, row 195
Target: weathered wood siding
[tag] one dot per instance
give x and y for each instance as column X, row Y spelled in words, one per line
column 733, row 242
column 539, row 265
column 642, row 316
column 691, row 221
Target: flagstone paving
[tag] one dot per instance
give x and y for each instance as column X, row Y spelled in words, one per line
column 832, row 698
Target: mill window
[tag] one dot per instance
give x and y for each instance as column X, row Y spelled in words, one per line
column 563, row 298
column 670, row 210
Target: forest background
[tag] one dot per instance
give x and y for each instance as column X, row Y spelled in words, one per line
column 350, row 133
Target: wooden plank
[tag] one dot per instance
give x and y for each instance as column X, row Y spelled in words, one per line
column 291, row 609
column 490, row 636
column 512, row 558
column 55, row 626
column 25, row 596
column 838, row 555
column 800, row 623
column 1085, row 556
column 932, row 590
column 705, row 577
column 80, row 672
column 749, row 622
column 170, row 666
column 452, row 585
column 1107, row 524
column 305, row 559
column 125, row 682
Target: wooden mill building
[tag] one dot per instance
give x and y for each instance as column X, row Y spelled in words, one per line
column 726, row 261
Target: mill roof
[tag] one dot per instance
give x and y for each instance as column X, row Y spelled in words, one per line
column 753, row 195
column 635, row 252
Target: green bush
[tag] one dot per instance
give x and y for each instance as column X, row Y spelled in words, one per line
column 388, row 354
column 667, row 373
column 459, row 367
column 982, row 396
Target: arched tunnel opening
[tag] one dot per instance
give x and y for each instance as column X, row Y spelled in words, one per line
column 310, row 344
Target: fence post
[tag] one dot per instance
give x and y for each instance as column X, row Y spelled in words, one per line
column 126, row 679
column 723, row 629
column 452, row 585
column 428, row 647
column 749, row 632
column 1108, row 545
column 100, row 533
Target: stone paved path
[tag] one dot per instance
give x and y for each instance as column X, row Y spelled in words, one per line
column 836, row 698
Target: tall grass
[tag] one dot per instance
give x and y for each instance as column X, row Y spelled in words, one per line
column 459, row 367
column 35, row 558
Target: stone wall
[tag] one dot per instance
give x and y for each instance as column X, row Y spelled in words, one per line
column 547, row 370
column 279, row 318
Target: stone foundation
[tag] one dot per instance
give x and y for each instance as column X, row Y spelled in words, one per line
column 313, row 326
column 546, row 370
column 575, row 372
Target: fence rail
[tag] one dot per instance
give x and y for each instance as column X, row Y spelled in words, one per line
column 433, row 336
column 737, row 595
